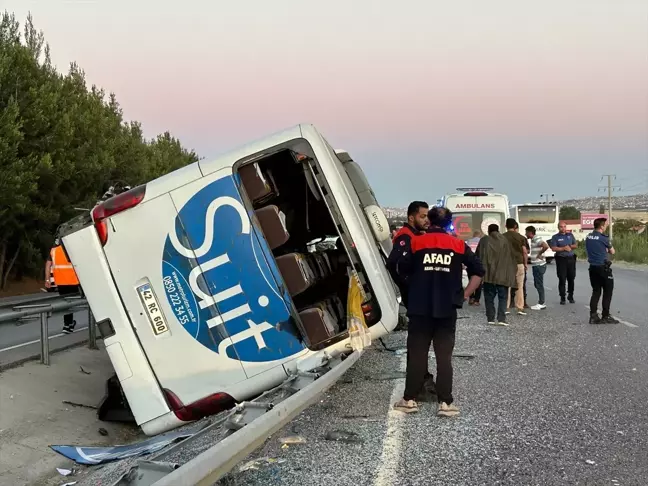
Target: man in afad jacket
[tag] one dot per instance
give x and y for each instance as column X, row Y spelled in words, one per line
column 434, row 268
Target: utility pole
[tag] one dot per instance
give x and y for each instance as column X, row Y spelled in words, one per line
column 610, row 188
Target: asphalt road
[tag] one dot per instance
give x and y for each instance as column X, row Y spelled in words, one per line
column 550, row 400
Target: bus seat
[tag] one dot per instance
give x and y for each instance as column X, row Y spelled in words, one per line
column 318, row 323
column 296, row 272
column 272, row 225
column 258, row 185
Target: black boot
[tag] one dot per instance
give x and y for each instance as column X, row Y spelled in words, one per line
column 608, row 320
column 594, row 319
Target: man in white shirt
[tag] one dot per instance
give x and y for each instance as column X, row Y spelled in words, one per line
column 538, row 264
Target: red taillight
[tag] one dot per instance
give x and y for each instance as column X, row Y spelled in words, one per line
column 116, row 204
column 210, row 405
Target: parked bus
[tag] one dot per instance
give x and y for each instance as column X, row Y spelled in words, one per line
column 543, row 216
column 473, row 209
column 215, row 282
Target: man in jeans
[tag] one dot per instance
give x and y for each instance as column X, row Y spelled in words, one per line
column 598, row 247
column 563, row 244
column 538, row 264
column 495, row 253
column 519, row 246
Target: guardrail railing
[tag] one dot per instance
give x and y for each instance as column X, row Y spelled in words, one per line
column 45, row 311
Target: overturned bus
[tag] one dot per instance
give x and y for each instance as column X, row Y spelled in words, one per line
column 212, row 283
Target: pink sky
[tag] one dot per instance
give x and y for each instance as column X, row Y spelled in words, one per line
column 375, row 77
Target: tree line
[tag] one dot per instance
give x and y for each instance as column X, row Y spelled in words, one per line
column 62, row 145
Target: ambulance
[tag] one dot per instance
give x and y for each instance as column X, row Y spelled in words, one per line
column 217, row 281
column 543, row 216
column 474, row 209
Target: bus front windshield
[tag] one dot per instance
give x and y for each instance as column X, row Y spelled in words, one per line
column 467, row 223
column 537, row 215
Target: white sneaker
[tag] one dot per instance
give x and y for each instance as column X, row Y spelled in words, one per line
column 539, row 307
column 445, row 410
column 497, row 323
column 520, row 312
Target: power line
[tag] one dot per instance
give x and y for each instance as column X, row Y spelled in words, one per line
column 610, row 189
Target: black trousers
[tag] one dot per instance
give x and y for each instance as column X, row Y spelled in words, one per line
column 602, row 281
column 422, row 332
column 68, row 290
column 566, row 271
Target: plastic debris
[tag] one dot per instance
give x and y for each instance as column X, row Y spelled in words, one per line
column 256, row 464
column 64, row 472
column 103, row 432
column 293, row 439
column 590, row 462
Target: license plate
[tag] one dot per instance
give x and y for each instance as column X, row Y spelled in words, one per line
column 152, row 308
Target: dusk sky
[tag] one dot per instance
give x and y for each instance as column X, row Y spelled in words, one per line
column 527, row 97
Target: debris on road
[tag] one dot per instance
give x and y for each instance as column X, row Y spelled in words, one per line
column 260, row 463
column 64, row 472
column 82, row 405
column 103, row 432
column 344, row 436
column 84, row 371
column 293, row 439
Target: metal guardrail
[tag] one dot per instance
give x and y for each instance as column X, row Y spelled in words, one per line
column 46, row 310
column 214, row 463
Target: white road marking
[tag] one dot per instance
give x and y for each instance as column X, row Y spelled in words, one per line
column 388, row 473
column 38, row 340
column 629, row 324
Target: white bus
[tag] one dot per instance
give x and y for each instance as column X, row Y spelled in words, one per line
column 474, row 209
column 543, row 216
column 208, row 284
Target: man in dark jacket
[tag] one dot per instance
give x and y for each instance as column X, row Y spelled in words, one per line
column 496, row 255
column 417, row 223
column 434, row 268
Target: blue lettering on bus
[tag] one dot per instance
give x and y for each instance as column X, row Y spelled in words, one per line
column 222, row 282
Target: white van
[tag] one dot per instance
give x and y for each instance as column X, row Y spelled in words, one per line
column 208, row 285
column 543, row 216
column 474, row 209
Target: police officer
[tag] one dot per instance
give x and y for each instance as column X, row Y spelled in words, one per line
column 434, row 268
column 417, row 224
column 563, row 245
column 598, row 247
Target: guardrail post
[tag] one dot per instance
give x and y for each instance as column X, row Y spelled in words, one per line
column 44, row 317
column 92, row 330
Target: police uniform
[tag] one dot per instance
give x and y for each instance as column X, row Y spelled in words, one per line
column 434, row 270
column 402, row 244
column 565, row 264
column 600, row 273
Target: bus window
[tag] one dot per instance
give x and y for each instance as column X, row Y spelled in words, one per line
column 537, row 214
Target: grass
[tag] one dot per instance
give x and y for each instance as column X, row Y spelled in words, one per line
column 630, row 247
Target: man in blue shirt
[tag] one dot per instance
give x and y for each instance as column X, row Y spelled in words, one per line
column 563, row 245
column 598, row 247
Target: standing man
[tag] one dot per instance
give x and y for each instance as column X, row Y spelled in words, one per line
column 496, row 255
column 598, row 247
column 473, row 243
column 58, row 264
column 434, row 267
column 563, row 244
column 538, row 264
column 521, row 256
column 417, row 224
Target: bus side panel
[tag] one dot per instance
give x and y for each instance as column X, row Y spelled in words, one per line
column 237, row 292
column 135, row 375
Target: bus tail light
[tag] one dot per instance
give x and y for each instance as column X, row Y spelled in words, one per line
column 204, row 407
column 116, row 204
